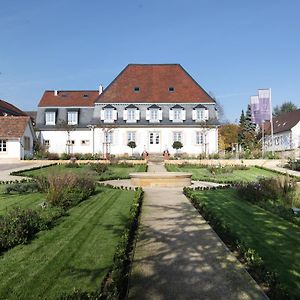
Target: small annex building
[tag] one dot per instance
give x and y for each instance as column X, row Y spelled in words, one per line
column 16, row 137
column 286, row 132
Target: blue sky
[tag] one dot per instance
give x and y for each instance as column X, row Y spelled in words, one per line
column 231, row 48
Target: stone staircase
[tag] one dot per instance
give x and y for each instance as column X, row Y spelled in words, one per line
column 155, row 157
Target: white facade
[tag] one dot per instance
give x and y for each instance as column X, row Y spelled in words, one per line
column 18, row 148
column 285, row 140
column 151, row 139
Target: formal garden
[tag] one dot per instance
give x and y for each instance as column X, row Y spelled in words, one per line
column 255, row 219
column 62, row 235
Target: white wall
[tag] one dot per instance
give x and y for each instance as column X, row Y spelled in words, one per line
column 13, row 150
column 27, row 153
column 119, row 146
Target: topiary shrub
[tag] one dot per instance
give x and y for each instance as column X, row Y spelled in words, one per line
column 99, row 168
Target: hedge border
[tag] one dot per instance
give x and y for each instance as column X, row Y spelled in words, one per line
column 258, row 271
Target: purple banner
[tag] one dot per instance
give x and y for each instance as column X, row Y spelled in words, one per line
column 261, row 106
column 255, row 114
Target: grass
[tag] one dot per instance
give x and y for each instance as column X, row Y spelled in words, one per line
column 276, row 240
column 77, row 253
column 236, row 176
column 7, row 202
column 113, row 172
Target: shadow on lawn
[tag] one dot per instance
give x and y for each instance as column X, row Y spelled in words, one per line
column 178, row 256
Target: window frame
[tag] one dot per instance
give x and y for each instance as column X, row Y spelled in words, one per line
column 3, row 145
column 50, row 120
column 70, row 117
column 200, row 138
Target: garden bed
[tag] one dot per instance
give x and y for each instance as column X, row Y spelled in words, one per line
column 275, row 241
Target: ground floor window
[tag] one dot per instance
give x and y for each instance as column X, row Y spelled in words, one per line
column 108, row 137
column 199, row 138
column 85, row 142
column 2, row 145
column 177, row 136
column 130, row 136
column 70, row 142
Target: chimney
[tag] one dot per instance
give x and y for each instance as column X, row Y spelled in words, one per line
column 100, row 89
column 55, row 92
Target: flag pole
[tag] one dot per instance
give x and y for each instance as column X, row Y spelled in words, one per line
column 271, row 123
column 263, row 137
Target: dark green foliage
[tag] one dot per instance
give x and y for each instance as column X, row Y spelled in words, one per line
column 21, row 188
column 99, row 168
column 72, row 165
column 284, row 108
column 293, row 164
column 177, row 145
column 131, row 144
column 18, row 226
column 219, row 169
column 280, row 188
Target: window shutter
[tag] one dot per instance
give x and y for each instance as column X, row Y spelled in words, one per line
column 137, row 114
column 194, row 114
column 171, row 115
column 183, row 114
column 159, row 114
column 147, row 114
column 206, row 114
column 114, row 115
column 124, row 114
column 102, row 114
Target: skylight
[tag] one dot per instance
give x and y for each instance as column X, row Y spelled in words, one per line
column 171, row 89
column 136, row 89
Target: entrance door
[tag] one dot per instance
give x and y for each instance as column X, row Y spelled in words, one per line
column 154, row 142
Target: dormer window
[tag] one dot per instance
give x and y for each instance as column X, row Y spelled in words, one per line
column 177, row 114
column 136, row 89
column 85, row 95
column 154, row 114
column 131, row 114
column 109, row 114
column 50, row 117
column 200, row 113
column 72, row 117
column 171, row 89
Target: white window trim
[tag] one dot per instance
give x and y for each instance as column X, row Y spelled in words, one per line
column 72, row 117
column 50, row 120
column 3, row 146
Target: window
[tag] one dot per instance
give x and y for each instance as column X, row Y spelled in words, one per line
column 154, row 138
column 70, row 142
column 199, row 138
column 171, row 89
column 177, row 136
column 85, row 95
column 47, row 143
column 130, row 136
column 108, row 115
column 108, row 137
column 26, row 143
column 136, row 89
column 50, row 118
column 85, row 142
column 154, row 115
column 177, row 115
column 131, row 115
column 200, row 114
column 72, row 117
column 2, row 145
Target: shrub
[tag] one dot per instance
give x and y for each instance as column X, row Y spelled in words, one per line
column 52, row 156
column 99, row 168
column 72, row 165
column 67, row 190
column 21, row 188
column 293, row 164
column 18, row 226
column 65, row 156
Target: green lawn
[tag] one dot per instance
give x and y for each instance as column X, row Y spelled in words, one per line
column 277, row 241
column 113, row 172
column 236, row 176
column 77, row 252
column 32, row 200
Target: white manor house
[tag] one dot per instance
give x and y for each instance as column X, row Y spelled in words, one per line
column 150, row 104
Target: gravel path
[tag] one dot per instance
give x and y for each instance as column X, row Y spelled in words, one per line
column 179, row 256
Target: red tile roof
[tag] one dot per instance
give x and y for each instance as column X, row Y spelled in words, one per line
column 69, row 98
column 154, row 82
column 13, row 126
column 284, row 122
column 9, row 109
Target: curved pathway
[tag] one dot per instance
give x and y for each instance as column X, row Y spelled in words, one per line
column 179, row 256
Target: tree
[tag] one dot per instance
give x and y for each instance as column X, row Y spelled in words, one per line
column 247, row 136
column 131, row 145
column 219, row 108
column 228, row 135
column 177, row 145
column 285, row 107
